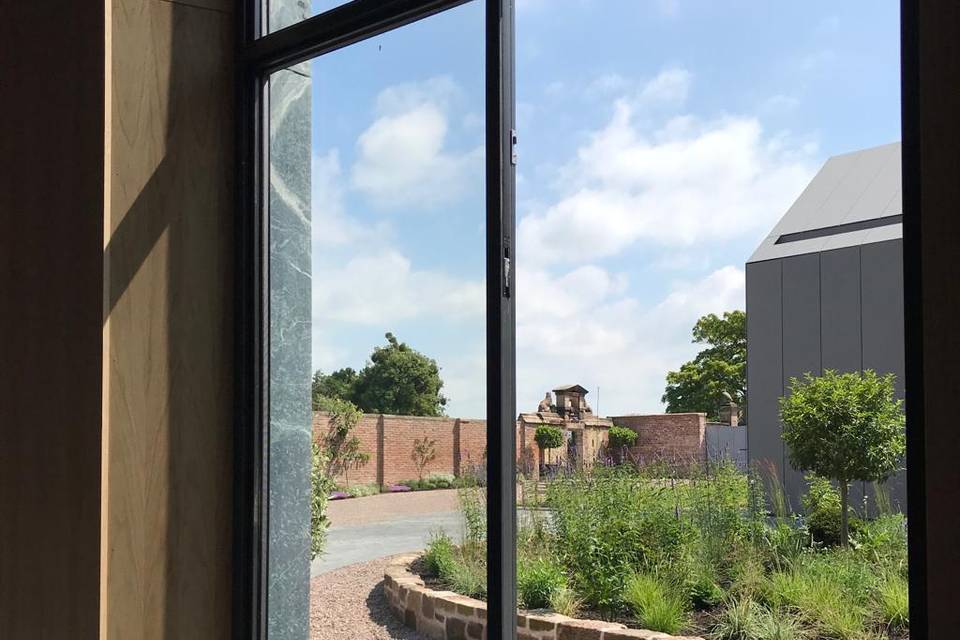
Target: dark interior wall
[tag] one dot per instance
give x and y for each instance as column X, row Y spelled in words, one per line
column 51, row 293
column 930, row 49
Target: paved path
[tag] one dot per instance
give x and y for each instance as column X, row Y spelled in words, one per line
column 390, row 506
column 360, row 543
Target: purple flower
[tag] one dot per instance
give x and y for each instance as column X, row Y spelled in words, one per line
column 399, row 488
column 338, row 495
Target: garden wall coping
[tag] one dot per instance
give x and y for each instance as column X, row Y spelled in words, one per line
column 444, row 615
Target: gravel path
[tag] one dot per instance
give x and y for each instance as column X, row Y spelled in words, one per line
column 349, row 603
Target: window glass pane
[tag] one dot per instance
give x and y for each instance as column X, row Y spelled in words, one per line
column 283, row 13
column 377, row 327
column 661, row 161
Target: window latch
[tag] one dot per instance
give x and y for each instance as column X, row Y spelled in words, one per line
column 506, row 272
column 513, row 147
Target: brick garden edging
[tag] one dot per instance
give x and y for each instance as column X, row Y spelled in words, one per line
column 445, row 615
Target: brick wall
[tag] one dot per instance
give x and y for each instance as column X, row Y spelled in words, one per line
column 673, row 437
column 389, row 441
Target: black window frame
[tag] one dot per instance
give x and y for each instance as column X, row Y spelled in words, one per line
column 258, row 57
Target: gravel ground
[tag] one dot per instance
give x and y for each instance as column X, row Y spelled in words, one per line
column 349, row 603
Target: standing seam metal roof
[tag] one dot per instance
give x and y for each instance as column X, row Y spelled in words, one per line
column 853, row 187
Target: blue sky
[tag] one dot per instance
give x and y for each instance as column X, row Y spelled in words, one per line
column 659, row 142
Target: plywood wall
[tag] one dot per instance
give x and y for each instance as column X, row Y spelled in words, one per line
column 166, row 532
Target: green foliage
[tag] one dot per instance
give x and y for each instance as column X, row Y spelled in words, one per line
column 320, row 487
column 435, row 481
column 548, row 437
column 610, row 523
column 469, row 577
column 362, row 490
column 740, row 619
column 399, row 380
column 337, row 385
column 440, row 555
column 473, row 506
column 718, row 373
column 822, row 506
column 620, row 437
column 655, row 603
column 883, row 542
column 424, row 452
column 565, row 602
column 341, row 449
column 537, row 580
column 893, row 601
column 844, row 427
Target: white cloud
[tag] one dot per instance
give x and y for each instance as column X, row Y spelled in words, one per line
column 687, row 183
column 669, row 86
column 331, row 225
column 403, row 157
column 580, row 327
column 381, row 288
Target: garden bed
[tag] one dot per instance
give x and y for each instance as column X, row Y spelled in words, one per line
column 445, row 615
column 692, row 556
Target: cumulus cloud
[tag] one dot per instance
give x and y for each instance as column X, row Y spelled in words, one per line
column 403, row 157
column 384, row 287
column 595, row 334
column 685, row 183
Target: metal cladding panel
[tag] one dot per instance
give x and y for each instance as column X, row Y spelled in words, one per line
column 883, row 343
column 801, row 339
column 764, row 363
column 840, row 320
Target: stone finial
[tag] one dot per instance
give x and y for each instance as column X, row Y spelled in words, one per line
column 546, row 405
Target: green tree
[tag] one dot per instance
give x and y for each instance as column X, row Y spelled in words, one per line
column 844, row 426
column 338, row 384
column 401, row 381
column 424, row 452
column 321, row 486
column 547, row 437
column 718, row 374
column 340, row 447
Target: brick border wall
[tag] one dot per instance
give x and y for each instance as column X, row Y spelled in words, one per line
column 444, row 615
column 388, row 439
column 670, row 437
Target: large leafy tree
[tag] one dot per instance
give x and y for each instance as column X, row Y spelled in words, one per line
column 337, row 385
column 844, row 426
column 398, row 380
column 718, row 374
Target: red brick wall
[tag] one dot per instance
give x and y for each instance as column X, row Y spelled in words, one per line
column 389, row 441
column 673, row 437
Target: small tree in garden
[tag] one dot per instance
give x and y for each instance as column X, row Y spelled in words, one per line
column 320, row 487
column 620, row 438
column 424, row 452
column 844, row 426
column 342, row 449
column 548, row 437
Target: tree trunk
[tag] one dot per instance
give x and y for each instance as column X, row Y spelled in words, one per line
column 844, row 535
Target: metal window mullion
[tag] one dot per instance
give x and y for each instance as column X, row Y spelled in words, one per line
column 501, row 325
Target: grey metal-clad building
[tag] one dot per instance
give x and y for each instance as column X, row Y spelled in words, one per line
column 825, row 291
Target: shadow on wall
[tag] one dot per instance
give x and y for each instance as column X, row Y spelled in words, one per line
column 168, row 322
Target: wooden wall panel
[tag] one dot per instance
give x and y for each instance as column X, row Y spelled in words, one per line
column 51, row 291
column 168, row 416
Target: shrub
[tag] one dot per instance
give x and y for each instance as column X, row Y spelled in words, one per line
column 893, row 602
column 620, row 437
column 473, row 505
column 655, row 603
column 320, row 486
column 439, row 557
column 822, row 506
column 884, row 541
column 469, row 577
column 548, row 437
column 537, row 580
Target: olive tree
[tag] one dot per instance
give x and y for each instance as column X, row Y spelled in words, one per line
column 845, row 427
